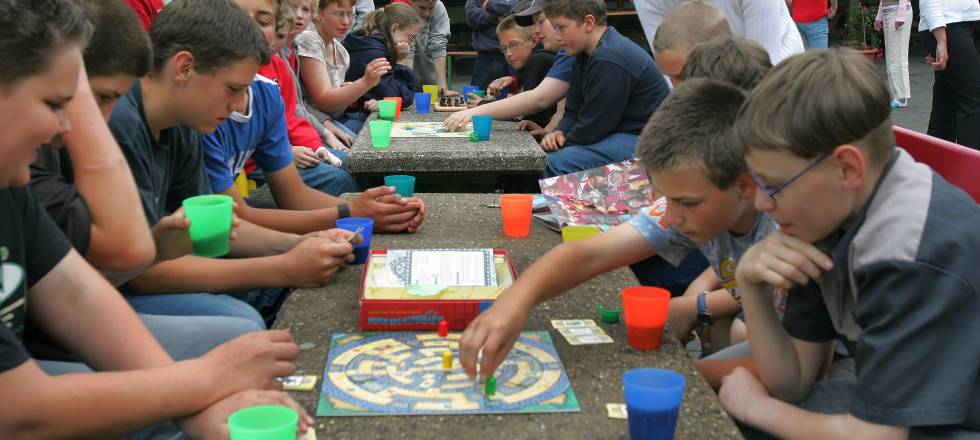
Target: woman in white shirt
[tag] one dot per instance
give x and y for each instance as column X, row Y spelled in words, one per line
column 947, row 31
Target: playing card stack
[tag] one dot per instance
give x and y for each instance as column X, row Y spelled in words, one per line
column 581, row 331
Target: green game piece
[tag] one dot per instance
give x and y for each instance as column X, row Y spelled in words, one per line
column 491, row 386
column 473, row 137
column 609, row 316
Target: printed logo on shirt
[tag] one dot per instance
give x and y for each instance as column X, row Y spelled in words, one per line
column 11, row 279
column 726, row 271
column 658, row 211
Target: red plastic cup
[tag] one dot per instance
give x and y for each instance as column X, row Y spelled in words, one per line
column 398, row 108
column 645, row 310
column 516, row 211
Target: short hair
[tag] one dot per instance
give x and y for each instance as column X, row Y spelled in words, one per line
column 119, row 45
column 813, row 102
column 216, row 32
column 510, row 22
column 689, row 24
column 738, row 60
column 285, row 17
column 33, row 32
column 320, row 5
column 692, row 128
column 380, row 20
column 576, row 9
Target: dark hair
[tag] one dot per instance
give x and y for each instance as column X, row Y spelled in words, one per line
column 216, row 32
column 380, row 20
column 813, row 102
column 576, row 9
column 692, row 128
column 119, row 45
column 738, row 60
column 33, row 31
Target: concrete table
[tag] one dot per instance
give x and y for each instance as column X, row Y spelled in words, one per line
column 507, row 152
column 595, row 371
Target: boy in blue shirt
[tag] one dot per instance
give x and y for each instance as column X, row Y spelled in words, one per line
column 601, row 123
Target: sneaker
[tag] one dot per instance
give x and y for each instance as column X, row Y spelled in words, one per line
column 899, row 104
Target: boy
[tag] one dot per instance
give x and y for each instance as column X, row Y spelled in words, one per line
column 483, row 16
column 738, row 60
column 874, row 248
column 428, row 55
column 707, row 205
column 600, row 124
column 685, row 26
column 73, row 302
column 204, row 59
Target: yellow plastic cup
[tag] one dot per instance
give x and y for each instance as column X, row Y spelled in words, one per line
column 432, row 90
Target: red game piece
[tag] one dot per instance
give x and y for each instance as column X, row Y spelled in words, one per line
column 443, row 328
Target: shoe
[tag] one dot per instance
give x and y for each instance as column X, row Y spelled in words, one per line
column 898, row 105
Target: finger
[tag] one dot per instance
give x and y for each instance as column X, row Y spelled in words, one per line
column 378, row 191
column 283, row 369
column 469, row 346
column 808, row 250
column 278, row 335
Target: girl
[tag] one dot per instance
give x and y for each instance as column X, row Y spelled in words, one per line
column 389, row 32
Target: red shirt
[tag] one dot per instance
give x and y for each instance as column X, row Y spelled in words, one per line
column 807, row 11
column 146, row 10
column 299, row 129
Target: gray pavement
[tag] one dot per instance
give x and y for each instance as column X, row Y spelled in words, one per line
column 916, row 116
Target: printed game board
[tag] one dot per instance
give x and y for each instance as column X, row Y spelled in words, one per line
column 401, row 374
column 427, row 129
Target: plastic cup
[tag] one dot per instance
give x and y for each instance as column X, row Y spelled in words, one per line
column 516, row 212
column 575, row 233
column 404, row 185
column 503, row 93
column 263, row 422
column 387, row 109
column 645, row 311
column 380, row 133
column 469, row 89
column 210, row 217
column 398, row 107
column 362, row 250
column 481, row 126
column 433, row 92
column 423, row 103
column 653, row 400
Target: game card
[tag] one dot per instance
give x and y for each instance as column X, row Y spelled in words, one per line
column 581, row 332
column 616, row 411
column 569, row 323
column 298, row 383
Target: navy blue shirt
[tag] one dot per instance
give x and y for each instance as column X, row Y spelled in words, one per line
column 614, row 90
column 484, row 24
column 365, row 48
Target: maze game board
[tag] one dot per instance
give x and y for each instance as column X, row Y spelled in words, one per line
column 401, row 374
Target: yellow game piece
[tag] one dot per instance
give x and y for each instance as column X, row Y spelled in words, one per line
column 447, row 360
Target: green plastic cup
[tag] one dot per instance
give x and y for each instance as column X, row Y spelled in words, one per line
column 387, row 109
column 380, row 133
column 210, row 217
column 263, row 422
column 404, row 185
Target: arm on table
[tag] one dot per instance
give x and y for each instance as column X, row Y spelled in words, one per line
column 546, row 94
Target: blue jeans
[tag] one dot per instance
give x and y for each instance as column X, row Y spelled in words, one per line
column 324, row 177
column 352, row 121
column 815, row 33
column 616, row 147
column 657, row 272
column 488, row 69
column 195, row 304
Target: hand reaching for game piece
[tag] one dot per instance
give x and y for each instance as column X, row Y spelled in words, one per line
column 495, row 331
column 212, row 423
column 499, row 84
column 458, row 120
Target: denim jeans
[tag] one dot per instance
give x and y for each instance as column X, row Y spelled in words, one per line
column 815, row 33
column 195, row 304
column 657, row 272
column 616, row 147
column 488, row 69
column 352, row 121
column 324, row 177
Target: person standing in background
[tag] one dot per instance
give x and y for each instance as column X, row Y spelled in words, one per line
column 895, row 18
column 812, row 18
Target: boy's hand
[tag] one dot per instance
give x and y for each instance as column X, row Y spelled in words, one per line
column 553, row 141
column 447, row 92
column 682, row 317
column 739, row 393
column 304, row 157
column 415, row 222
column 341, row 135
column 389, row 211
column 212, row 423
column 375, row 69
column 337, row 235
column 171, row 237
column 326, row 156
column 529, row 125
column 457, row 121
column 495, row 331
column 371, row 105
column 780, row 261
column 313, row 261
column 251, row 361
column 832, row 12
column 499, row 84
column 473, row 100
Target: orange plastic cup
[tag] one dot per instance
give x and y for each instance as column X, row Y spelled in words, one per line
column 398, row 108
column 645, row 310
column 516, row 211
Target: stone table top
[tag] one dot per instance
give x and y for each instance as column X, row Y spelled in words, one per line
column 595, row 371
column 507, row 152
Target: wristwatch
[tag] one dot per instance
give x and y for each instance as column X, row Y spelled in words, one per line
column 704, row 320
column 343, row 210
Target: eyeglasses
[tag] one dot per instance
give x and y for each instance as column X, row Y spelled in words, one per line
column 771, row 192
column 511, row 47
column 342, row 15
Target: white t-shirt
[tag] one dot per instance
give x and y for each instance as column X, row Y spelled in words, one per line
column 938, row 13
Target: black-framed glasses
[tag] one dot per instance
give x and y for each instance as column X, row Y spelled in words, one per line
column 771, row 192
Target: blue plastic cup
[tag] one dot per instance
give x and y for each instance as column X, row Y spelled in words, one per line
column 404, row 185
column 469, row 89
column 653, row 400
column 503, row 93
column 481, row 126
column 363, row 249
column 423, row 103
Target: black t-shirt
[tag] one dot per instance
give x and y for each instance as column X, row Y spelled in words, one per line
column 534, row 71
column 30, row 246
column 52, row 182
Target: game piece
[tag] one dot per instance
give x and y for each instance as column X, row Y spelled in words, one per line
column 616, row 411
column 491, row 387
column 447, row 359
column 309, row 435
column 443, row 328
column 609, row 316
column 400, row 373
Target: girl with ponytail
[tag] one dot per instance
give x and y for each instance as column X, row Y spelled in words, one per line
column 388, row 32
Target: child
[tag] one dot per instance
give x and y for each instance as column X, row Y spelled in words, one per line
column 707, row 205
column 389, row 32
column 874, row 248
column 428, row 56
column 482, row 16
column 685, row 26
column 325, row 63
column 600, row 124
column 812, row 20
column 141, row 385
column 738, row 60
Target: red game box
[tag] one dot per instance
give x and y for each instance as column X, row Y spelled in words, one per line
column 394, row 309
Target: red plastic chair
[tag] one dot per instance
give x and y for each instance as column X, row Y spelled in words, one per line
column 957, row 164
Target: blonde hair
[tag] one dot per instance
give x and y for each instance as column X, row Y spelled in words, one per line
column 381, row 20
column 689, row 24
column 284, row 14
column 509, row 22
